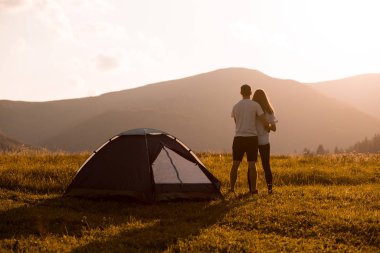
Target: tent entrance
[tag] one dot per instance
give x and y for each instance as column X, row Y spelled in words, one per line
column 171, row 168
column 176, row 177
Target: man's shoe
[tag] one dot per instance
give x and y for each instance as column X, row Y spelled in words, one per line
column 254, row 192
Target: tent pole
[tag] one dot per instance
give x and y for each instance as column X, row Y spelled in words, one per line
column 153, row 195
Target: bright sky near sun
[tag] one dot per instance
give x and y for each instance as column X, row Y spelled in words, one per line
column 56, row 49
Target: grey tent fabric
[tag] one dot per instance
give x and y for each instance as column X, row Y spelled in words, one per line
column 146, row 164
column 142, row 131
column 171, row 168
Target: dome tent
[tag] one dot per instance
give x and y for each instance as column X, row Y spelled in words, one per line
column 146, row 164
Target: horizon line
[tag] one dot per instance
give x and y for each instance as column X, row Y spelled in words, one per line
column 189, row 76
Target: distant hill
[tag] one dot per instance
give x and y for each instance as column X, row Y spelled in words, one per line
column 8, row 144
column 195, row 109
column 361, row 92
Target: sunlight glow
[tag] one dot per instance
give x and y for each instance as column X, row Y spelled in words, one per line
column 70, row 48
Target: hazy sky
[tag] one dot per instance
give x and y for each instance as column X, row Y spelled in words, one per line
column 54, row 49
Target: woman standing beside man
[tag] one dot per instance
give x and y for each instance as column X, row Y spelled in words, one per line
column 263, row 134
column 250, row 118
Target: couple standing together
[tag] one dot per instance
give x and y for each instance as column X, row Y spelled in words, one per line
column 254, row 119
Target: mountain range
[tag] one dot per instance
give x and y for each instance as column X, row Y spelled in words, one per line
column 197, row 110
column 361, row 92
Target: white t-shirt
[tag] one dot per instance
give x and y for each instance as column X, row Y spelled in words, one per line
column 245, row 112
column 263, row 134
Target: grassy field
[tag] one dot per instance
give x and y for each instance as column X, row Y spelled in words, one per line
column 320, row 204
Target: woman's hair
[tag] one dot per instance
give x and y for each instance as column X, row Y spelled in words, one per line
column 261, row 98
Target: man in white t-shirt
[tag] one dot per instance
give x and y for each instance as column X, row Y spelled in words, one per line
column 245, row 140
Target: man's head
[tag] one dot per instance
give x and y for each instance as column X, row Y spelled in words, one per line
column 245, row 90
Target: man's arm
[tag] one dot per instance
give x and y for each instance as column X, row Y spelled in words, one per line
column 265, row 122
column 272, row 123
column 273, row 127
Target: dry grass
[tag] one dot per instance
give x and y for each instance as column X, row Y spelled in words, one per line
column 321, row 203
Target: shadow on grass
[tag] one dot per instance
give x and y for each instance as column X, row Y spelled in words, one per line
column 114, row 225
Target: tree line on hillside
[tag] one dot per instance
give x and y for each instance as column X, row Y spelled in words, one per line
column 364, row 146
column 367, row 146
